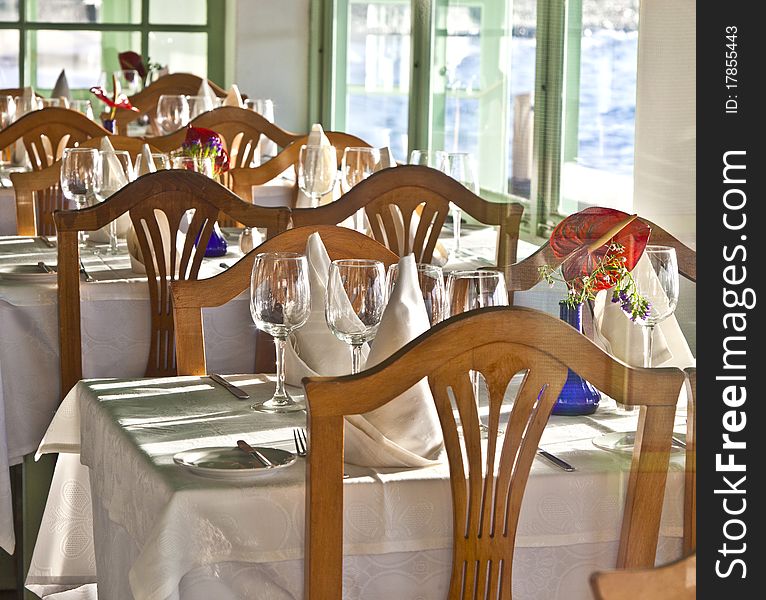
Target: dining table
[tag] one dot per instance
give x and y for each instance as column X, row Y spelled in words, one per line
column 153, row 529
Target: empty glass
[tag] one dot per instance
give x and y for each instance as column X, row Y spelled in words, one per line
column 172, row 113
column 461, row 166
column 26, row 104
column 280, row 302
column 356, row 297
column 469, row 290
column 428, row 158
column 82, row 106
column 431, row 280
column 160, row 161
column 80, row 177
column 317, row 170
column 201, row 104
column 116, row 172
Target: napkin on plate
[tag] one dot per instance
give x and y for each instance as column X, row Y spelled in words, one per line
column 114, row 179
column 622, row 338
column 233, row 97
column 329, row 168
column 61, row 89
column 404, row 432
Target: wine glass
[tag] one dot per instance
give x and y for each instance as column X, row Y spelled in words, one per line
column 659, row 285
column 469, row 290
column 461, row 166
column 431, row 281
column 116, row 172
column 280, row 302
column 201, row 104
column 160, row 160
column 172, row 112
column 266, row 148
column 317, row 170
column 80, row 177
column 356, row 297
column 357, row 165
column 82, row 106
column 427, row 158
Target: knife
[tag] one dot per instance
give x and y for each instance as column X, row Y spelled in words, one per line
column 562, row 464
column 245, row 447
column 238, row 392
column 47, row 242
column 45, row 267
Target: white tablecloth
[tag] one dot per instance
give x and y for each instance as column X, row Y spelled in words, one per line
column 115, row 340
column 161, row 532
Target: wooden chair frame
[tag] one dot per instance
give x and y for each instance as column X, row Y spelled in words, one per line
column 690, row 482
column 38, row 193
column 190, row 297
column 172, row 192
column 243, row 179
column 146, row 100
column 46, row 132
column 408, row 187
column 674, row 581
column 499, row 342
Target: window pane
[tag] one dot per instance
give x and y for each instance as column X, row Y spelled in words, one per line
column 377, row 74
column 84, row 11
column 599, row 121
column 84, row 55
column 178, row 12
column 181, row 52
column 9, row 58
column 9, row 10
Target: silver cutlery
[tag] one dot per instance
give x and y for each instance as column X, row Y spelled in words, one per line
column 562, row 464
column 230, row 387
column 45, row 268
column 47, row 242
column 223, row 265
column 245, row 447
column 301, row 442
column 84, row 272
column 678, row 442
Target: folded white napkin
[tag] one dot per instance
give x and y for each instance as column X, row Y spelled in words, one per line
column 233, row 97
column 329, row 169
column 624, row 339
column 205, row 91
column 114, row 179
column 61, row 89
column 147, row 162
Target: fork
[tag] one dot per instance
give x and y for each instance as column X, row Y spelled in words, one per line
column 87, row 275
column 301, row 441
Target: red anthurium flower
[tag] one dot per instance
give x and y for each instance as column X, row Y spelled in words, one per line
column 121, row 101
column 572, row 239
column 202, row 136
column 132, row 60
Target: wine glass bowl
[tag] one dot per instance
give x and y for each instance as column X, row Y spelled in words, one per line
column 172, row 112
column 280, row 302
column 461, row 166
column 80, row 177
column 317, row 171
column 432, row 287
column 356, row 297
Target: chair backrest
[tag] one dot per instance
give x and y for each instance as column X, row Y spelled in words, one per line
column 240, row 130
column 674, row 581
column 391, row 199
column 190, row 297
column 169, row 194
column 690, row 482
column 146, row 100
column 524, row 274
column 243, row 179
column 45, row 133
column 38, row 193
column 499, row 343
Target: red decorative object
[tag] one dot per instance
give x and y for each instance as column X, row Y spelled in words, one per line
column 201, row 142
column 120, row 102
column 573, row 240
column 132, row 60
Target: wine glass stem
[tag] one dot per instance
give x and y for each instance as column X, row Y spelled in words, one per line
column 456, row 218
column 113, row 237
column 648, row 331
column 279, row 345
column 79, row 202
column 356, row 358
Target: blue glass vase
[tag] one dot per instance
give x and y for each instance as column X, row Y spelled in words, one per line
column 577, row 397
column 108, row 124
column 217, row 245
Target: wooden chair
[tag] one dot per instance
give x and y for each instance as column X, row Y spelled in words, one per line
column 498, row 342
column 403, row 191
column 146, row 100
column 15, row 92
column 45, row 134
column 674, row 581
column 190, row 297
column 690, row 482
column 243, row 179
column 172, row 193
column 240, row 130
column 38, row 193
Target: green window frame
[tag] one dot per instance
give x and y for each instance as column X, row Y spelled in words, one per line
column 556, row 90
column 215, row 27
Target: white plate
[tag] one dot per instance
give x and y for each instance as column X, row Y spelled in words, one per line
column 623, row 442
column 225, row 462
column 29, row 273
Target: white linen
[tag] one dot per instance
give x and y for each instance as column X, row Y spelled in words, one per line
column 233, row 97
column 209, row 99
column 162, row 529
column 61, row 87
column 406, row 431
column 624, row 339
